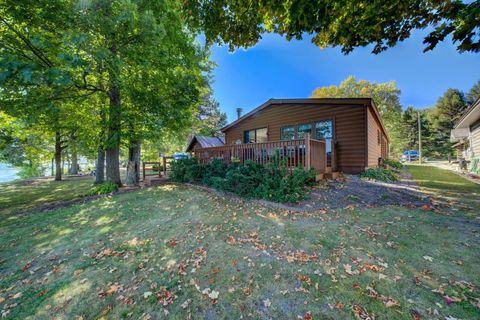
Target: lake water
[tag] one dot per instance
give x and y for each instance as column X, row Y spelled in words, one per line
column 8, row 173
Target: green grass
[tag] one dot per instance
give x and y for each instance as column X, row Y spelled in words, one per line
column 443, row 180
column 120, row 257
column 446, row 186
column 28, row 194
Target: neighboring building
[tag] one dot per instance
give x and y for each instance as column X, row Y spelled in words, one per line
column 204, row 142
column 466, row 134
column 352, row 128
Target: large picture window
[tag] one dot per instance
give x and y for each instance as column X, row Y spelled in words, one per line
column 324, row 130
column 255, row 135
column 287, row 133
column 303, row 129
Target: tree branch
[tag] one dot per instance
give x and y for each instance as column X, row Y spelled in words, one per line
column 27, row 42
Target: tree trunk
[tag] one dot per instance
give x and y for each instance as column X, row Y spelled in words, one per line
column 133, row 167
column 58, row 157
column 74, row 155
column 114, row 125
column 100, row 168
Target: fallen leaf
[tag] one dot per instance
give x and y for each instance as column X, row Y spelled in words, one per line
column 147, row 294
column 26, row 267
column 308, row 316
column 213, row 294
column 428, row 258
column 186, row 304
column 17, row 295
column 267, row 303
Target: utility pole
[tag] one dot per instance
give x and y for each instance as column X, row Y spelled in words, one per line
column 419, row 138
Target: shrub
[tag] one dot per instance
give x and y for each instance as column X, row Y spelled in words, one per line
column 393, row 163
column 380, row 174
column 102, row 188
column 26, row 172
column 250, row 179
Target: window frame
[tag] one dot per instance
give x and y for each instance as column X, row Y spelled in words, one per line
column 312, row 128
column 255, row 131
column 294, row 132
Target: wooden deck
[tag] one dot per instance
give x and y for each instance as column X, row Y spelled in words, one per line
column 307, row 153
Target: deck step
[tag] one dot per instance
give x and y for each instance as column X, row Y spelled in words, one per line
column 329, row 176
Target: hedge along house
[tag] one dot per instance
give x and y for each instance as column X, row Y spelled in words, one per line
column 344, row 135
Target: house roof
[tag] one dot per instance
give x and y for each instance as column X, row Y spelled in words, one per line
column 206, row 142
column 471, row 115
column 330, row 101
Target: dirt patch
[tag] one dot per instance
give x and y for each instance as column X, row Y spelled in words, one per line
column 353, row 191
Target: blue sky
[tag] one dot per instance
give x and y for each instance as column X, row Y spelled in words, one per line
column 276, row 68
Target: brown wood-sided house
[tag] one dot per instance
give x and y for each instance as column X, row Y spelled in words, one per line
column 348, row 133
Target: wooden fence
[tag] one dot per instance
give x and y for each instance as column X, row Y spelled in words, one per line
column 307, row 152
column 156, row 168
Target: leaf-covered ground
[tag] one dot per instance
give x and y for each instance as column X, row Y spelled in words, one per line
column 178, row 252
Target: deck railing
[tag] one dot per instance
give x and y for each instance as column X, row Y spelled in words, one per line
column 309, row 153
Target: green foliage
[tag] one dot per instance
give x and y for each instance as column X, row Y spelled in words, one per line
column 348, row 24
column 26, row 172
column 102, row 188
column 379, row 174
column 473, row 94
column 250, row 179
column 393, row 163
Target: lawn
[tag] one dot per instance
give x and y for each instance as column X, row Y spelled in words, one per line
column 178, row 252
column 27, row 194
column 448, row 187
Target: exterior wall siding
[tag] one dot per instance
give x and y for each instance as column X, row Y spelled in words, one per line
column 374, row 144
column 348, row 122
column 475, row 142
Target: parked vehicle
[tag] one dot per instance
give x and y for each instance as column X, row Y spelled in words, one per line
column 410, row 155
column 180, row 156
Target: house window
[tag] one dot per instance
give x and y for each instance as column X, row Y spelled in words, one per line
column 379, row 138
column 255, row 135
column 303, row 129
column 287, row 133
column 324, row 130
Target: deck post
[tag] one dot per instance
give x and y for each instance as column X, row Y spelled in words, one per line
column 333, row 157
column 307, row 152
column 143, row 164
column 164, row 166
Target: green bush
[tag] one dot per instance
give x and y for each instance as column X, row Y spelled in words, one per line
column 27, row 172
column 103, row 188
column 380, row 174
column 393, row 163
column 250, row 179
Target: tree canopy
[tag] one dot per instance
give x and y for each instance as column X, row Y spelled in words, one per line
column 347, row 23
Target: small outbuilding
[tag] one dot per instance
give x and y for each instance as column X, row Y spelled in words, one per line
column 204, row 142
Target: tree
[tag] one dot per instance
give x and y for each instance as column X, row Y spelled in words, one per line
column 386, row 98
column 210, row 120
column 38, row 69
column 348, row 24
column 57, row 56
column 447, row 111
column 474, row 93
